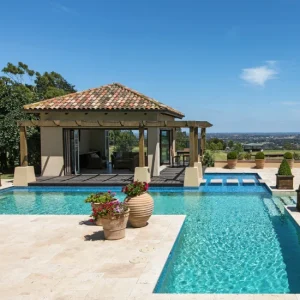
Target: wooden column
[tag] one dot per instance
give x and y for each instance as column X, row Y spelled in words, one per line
column 141, row 147
column 192, row 147
column 23, row 147
column 203, row 140
column 196, row 154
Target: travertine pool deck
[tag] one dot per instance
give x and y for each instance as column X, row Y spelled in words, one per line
column 59, row 257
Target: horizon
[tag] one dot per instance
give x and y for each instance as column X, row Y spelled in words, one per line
column 233, row 63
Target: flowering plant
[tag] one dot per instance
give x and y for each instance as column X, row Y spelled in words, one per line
column 111, row 209
column 135, row 189
column 101, row 197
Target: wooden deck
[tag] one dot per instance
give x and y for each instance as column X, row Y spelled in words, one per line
column 168, row 177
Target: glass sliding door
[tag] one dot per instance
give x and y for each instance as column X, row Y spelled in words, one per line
column 165, row 145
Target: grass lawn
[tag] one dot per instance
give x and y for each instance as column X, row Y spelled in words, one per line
column 7, row 176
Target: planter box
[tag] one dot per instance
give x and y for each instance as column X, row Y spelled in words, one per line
column 298, row 199
column 260, row 163
column 231, row 163
column 284, row 182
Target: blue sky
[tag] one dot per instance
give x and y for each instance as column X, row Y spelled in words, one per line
column 231, row 62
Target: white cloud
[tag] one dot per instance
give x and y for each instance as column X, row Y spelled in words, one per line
column 290, row 103
column 62, row 8
column 260, row 75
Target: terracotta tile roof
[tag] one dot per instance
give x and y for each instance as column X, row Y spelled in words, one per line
column 108, row 97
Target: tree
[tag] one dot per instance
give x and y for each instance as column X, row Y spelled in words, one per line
column 182, row 140
column 123, row 140
column 238, row 147
column 20, row 86
column 230, row 144
column 215, row 144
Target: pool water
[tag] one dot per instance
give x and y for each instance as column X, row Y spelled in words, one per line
column 235, row 239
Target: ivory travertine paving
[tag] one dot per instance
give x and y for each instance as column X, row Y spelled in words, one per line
column 65, row 257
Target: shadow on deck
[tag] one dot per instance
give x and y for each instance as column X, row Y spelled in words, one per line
column 168, row 177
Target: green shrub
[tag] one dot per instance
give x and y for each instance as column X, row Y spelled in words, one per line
column 208, row 159
column 241, row 156
column 288, row 155
column 232, row 155
column 296, row 156
column 284, row 168
column 260, row 155
column 247, row 156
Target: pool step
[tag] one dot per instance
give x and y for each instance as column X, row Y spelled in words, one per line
column 232, row 181
column 261, row 181
column 294, row 199
column 273, row 211
column 216, row 181
column 248, row 181
column 278, row 203
column 203, row 181
column 286, row 200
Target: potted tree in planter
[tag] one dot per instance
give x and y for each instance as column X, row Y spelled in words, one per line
column 284, row 178
column 97, row 199
column 231, row 160
column 290, row 159
column 114, row 217
column 260, row 160
column 140, row 203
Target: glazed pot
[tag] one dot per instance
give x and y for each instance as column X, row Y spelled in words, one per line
column 260, row 163
column 114, row 227
column 141, row 208
column 97, row 221
column 290, row 162
column 231, row 163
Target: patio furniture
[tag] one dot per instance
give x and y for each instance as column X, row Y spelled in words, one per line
column 175, row 158
column 92, row 160
column 185, row 153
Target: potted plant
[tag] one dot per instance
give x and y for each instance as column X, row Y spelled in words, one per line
column 284, row 178
column 231, row 159
column 114, row 217
column 290, row 159
column 97, row 199
column 140, row 203
column 260, row 160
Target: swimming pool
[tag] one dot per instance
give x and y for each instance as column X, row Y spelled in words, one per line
column 235, row 239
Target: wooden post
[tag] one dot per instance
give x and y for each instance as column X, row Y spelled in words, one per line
column 192, row 147
column 23, row 147
column 196, row 154
column 203, row 140
column 141, row 147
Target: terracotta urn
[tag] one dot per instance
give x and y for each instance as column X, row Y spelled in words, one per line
column 114, row 226
column 141, row 208
column 290, row 162
column 260, row 163
column 231, row 163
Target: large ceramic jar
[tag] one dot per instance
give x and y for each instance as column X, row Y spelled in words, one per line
column 231, row 163
column 141, row 208
column 114, row 226
column 260, row 163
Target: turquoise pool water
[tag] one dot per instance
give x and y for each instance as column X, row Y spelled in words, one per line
column 235, row 238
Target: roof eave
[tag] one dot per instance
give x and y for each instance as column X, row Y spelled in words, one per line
column 167, row 112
